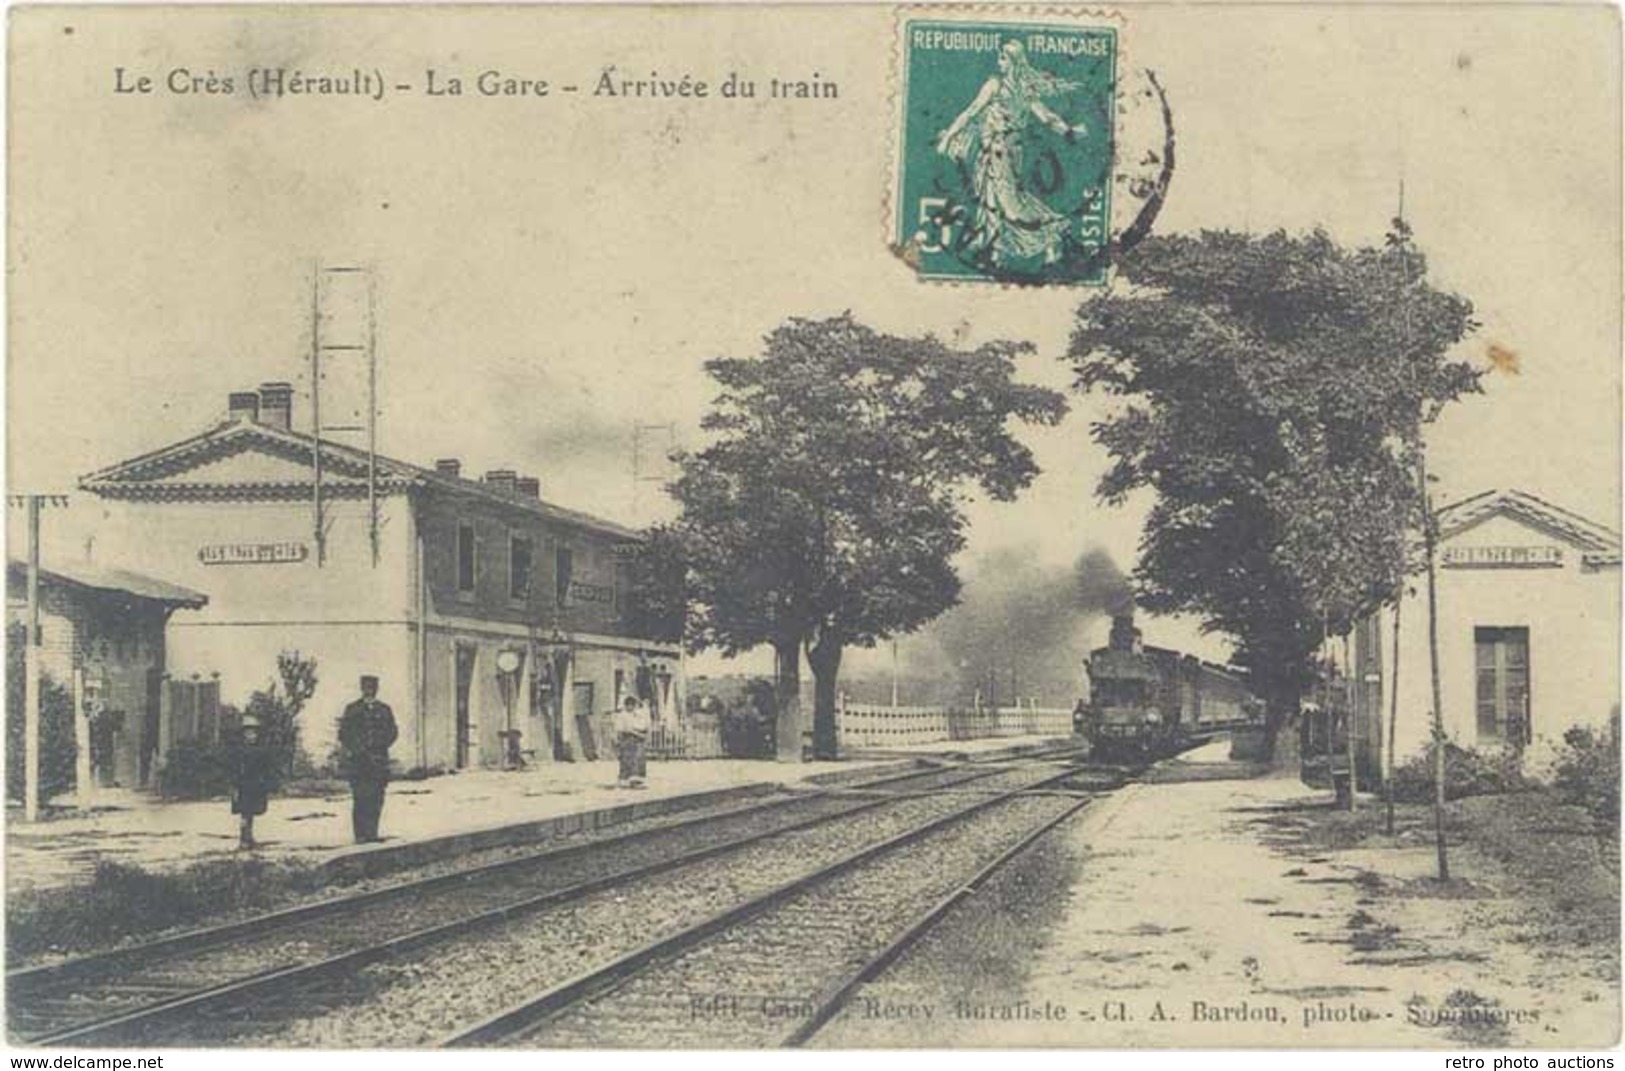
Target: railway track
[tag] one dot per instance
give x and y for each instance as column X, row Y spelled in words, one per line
column 773, row 970
column 211, row 985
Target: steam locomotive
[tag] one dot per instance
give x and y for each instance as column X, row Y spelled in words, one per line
column 1149, row 702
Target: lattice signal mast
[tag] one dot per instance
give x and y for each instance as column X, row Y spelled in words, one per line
column 343, row 347
column 647, row 469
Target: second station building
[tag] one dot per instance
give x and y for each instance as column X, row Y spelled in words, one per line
column 1528, row 632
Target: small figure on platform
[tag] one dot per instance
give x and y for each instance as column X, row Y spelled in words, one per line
column 631, row 739
column 253, row 776
column 366, row 731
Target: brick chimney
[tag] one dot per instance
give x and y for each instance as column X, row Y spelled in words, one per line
column 528, row 487
column 243, row 405
column 449, row 466
column 276, row 405
column 502, row 480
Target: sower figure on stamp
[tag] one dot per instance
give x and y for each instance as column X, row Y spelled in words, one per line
column 252, row 779
column 631, row 736
column 989, row 138
column 366, row 731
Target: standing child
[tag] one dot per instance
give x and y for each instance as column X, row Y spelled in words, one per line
column 252, row 779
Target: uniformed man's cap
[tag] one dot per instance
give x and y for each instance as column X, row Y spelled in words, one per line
column 251, row 721
column 368, row 680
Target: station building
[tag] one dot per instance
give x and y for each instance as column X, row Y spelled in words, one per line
column 1528, row 626
column 485, row 611
column 102, row 639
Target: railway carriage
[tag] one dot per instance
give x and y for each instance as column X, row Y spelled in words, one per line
column 1146, row 702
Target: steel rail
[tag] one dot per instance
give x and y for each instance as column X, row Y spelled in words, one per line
column 829, row 1004
column 108, row 1029
column 536, row 1011
column 24, row 981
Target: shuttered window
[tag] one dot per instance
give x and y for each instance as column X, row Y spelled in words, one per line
column 465, row 557
column 519, row 567
column 564, row 568
column 1501, row 665
column 194, row 712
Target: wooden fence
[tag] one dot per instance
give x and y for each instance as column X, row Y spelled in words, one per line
column 867, row 725
column 696, row 736
column 700, row 736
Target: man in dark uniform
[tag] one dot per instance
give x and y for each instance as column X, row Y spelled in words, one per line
column 365, row 732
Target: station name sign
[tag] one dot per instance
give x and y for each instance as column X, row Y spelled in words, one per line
column 580, row 592
column 252, row 553
column 1502, row 557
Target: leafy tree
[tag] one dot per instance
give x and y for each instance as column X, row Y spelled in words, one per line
column 1273, row 394
column 201, row 769
column 827, row 510
column 58, row 749
column 657, row 588
column 298, row 678
column 1587, row 773
column 278, row 708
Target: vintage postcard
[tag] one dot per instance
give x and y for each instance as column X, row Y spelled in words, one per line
column 739, row 527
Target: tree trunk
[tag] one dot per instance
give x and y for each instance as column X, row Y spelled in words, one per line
column 1280, row 705
column 825, row 659
column 1393, row 721
column 1350, row 696
column 787, row 697
column 1429, row 539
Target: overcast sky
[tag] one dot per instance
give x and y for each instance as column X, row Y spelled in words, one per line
column 550, row 272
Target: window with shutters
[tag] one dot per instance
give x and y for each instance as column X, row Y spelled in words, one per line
column 465, row 559
column 519, row 567
column 564, row 568
column 194, row 712
column 1501, row 665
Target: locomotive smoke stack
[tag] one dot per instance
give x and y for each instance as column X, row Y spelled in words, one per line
column 1124, row 636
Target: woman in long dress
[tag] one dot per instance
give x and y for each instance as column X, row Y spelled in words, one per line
column 632, row 726
column 1009, row 223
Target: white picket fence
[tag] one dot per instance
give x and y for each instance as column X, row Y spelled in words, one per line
column 869, row 725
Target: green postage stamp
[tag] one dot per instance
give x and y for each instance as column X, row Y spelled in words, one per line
column 1005, row 162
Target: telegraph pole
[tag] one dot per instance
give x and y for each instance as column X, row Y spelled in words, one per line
column 343, row 303
column 31, row 655
column 643, row 472
column 31, row 685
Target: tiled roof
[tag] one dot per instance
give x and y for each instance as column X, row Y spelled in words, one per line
column 120, row 581
column 144, row 476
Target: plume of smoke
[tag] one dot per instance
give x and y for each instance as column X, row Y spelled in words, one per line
column 1101, row 586
column 1020, row 629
